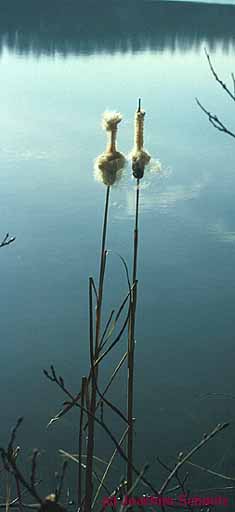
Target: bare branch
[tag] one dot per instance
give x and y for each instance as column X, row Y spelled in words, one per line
column 60, row 382
column 94, row 372
column 130, row 491
column 211, row 472
column 213, row 118
column 13, row 436
column 106, row 328
column 6, row 240
column 15, row 504
column 223, row 85
column 118, row 337
column 233, row 79
column 33, row 470
column 186, row 457
column 80, row 438
column 215, row 121
column 60, row 486
column 122, row 360
column 108, row 468
column 116, row 443
column 9, row 461
column 180, row 482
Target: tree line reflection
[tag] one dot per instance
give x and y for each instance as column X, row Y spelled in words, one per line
column 69, row 27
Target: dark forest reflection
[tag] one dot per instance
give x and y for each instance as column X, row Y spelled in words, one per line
column 69, row 27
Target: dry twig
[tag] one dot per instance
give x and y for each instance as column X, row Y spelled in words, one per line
column 6, row 240
column 215, row 121
column 186, row 457
column 213, row 118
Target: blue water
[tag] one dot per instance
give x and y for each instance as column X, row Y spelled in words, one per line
column 58, row 77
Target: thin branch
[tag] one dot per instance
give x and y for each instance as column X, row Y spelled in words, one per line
column 215, row 121
column 233, row 79
column 94, row 287
column 10, row 450
column 114, row 440
column 108, row 468
column 124, row 264
column 216, row 396
column 180, row 482
column 33, row 506
column 10, row 465
column 94, row 376
column 185, row 458
column 59, row 381
column 102, row 269
column 223, row 85
column 110, row 404
column 7, row 241
column 206, row 489
column 211, row 472
column 104, row 341
column 113, row 324
column 106, row 328
column 77, row 460
column 130, row 491
column 8, row 496
column 122, row 360
column 16, row 501
column 84, row 384
column 33, row 470
column 60, row 486
column 118, row 336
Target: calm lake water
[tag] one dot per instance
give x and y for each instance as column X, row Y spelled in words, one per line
column 60, row 69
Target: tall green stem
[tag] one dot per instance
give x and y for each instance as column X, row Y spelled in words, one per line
column 94, row 376
column 131, row 343
column 83, row 391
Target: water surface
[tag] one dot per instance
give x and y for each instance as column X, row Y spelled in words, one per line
column 59, row 73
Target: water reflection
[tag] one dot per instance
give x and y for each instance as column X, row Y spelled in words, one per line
column 72, row 28
column 222, row 232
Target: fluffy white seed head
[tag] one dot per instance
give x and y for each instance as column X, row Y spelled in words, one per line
column 110, row 120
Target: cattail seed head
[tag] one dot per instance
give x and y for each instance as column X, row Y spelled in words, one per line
column 140, row 157
column 111, row 161
column 110, row 120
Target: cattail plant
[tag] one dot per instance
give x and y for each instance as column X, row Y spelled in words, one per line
column 139, row 160
column 140, row 157
column 109, row 163
column 108, row 177
column 100, row 345
column 111, row 159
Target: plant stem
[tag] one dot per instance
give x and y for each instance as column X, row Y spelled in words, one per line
column 102, row 270
column 83, row 390
column 94, row 370
column 131, row 342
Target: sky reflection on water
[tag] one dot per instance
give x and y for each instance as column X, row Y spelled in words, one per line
column 55, row 87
